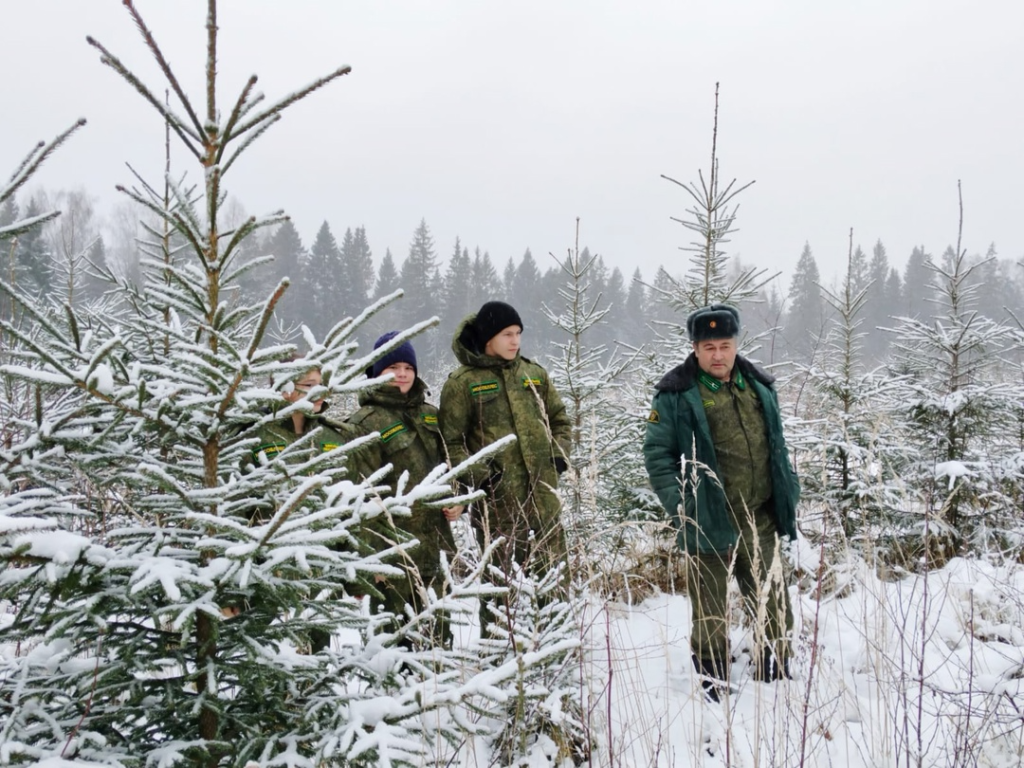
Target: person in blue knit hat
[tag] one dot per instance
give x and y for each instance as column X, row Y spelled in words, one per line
column 409, row 440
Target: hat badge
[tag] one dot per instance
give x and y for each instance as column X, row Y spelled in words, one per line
column 713, row 324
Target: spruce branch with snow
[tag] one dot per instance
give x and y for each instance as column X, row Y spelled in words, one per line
column 842, row 445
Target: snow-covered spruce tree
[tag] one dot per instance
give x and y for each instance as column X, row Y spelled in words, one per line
column 711, row 276
column 844, row 448
column 176, row 632
column 712, row 219
column 956, row 416
column 603, row 486
column 533, row 672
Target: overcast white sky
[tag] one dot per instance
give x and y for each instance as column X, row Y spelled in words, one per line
column 501, row 123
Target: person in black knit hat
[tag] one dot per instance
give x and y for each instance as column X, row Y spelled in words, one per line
column 498, row 392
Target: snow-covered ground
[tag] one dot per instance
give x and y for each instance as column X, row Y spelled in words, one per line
column 924, row 671
column 920, row 671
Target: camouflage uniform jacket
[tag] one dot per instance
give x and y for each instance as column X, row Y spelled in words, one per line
column 679, row 428
column 488, row 398
column 278, row 435
column 411, row 442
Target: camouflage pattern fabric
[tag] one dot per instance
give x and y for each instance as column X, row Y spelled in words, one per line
column 276, row 436
column 484, row 400
column 409, row 440
column 736, row 418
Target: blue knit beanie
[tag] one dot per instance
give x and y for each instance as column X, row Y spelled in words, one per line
column 403, row 353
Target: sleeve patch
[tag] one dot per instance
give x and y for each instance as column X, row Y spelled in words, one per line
column 709, row 403
column 653, row 417
column 270, row 450
column 390, row 432
column 528, row 382
column 429, row 418
column 484, row 388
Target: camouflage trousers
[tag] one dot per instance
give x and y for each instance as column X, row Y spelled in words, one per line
column 756, row 563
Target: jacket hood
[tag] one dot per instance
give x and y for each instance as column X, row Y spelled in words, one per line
column 684, row 376
column 464, row 347
column 388, row 396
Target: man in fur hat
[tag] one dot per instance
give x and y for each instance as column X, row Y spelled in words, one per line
column 717, row 459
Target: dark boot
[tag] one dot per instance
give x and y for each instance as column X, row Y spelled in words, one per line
column 712, row 678
column 769, row 669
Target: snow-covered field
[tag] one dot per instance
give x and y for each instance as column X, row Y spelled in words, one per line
column 921, row 671
column 925, row 671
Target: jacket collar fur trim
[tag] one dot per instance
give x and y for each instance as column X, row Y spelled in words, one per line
column 684, row 376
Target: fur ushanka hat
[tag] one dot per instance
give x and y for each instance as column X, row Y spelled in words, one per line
column 718, row 321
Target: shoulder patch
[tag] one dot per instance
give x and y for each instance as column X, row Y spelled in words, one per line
column 395, row 429
column 327, row 447
column 531, row 382
column 653, row 417
column 484, row 388
column 270, row 450
column 430, row 418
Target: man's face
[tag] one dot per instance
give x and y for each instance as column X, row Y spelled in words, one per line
column 505, row 344
column 716, row 357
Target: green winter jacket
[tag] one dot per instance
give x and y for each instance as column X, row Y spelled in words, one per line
column 410, row 441
column 488, row 398
column 678, row 427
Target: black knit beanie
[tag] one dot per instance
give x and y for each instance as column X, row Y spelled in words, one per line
column 492, row 319
column 403, row 353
